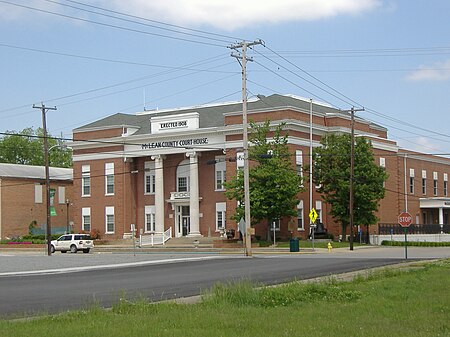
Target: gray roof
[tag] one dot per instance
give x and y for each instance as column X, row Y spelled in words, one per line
column 211, row 115
column 34, row 172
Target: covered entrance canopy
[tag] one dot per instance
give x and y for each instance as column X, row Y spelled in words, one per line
column 435, row 210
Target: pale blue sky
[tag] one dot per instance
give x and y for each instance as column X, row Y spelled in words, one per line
column 390, row 56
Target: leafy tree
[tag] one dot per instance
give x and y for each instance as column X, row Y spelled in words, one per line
column 27, row 148
column 332, row 174
column 274, row 182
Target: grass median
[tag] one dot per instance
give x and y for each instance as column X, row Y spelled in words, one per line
column 405, row 302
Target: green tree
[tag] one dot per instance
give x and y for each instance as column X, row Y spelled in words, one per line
column 274, row 182
column 27, row 148
column 332, row 174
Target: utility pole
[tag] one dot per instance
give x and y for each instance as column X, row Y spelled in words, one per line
column 311, row 167
column 44, row 109
column 243, row 56
column 352, row 169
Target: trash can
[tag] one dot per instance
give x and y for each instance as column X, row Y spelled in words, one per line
column 294, row 245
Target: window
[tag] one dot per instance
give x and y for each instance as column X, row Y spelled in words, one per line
column 240, row 160
column 221, row 218
column 150, row 219
column 220, row 172
column 109, row 178
column 424, row 182
column 86, row 219
column 109, row 214
column 61, row 195
column 300, row 222
column 182, row 184
column 435, row 183
column 319, row 211
column 38, row 194
column 445, row 184
column 411, row 181
column 299, row 162
column 149, row 177
column 86, row 180
column 383, row 165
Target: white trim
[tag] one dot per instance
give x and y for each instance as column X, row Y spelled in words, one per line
column 86, row 211
column 109, row 210
column 221, row 207
column 220, row 167
column 150, row 211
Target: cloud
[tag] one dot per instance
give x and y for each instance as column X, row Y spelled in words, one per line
column 233, row 14
column 438, row 72
column 420, row 144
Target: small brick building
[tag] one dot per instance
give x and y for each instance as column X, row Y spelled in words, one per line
column 152, row 169
column 23, row 199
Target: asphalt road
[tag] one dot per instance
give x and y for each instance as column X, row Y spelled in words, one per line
column 102, row 279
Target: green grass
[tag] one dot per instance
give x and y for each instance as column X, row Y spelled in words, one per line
column 414, row 302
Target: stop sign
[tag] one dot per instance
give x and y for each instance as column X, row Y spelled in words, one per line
column 404, row 219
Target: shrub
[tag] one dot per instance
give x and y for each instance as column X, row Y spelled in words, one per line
column 415, row 244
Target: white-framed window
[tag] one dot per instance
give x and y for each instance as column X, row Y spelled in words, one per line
column 183, row 175
column 109, row 219
column 86, row 219
column 183, row 184
column 424, row 182
column 150, row 219
column 411, row 181
column 38, row 194
column 319, row 210
column 445, row 184
column 86, row 180
column 109, row 178
column 61, row 195
column 300, row 218
column 220, row 172
column 149, row 177
column 435, row 183
column 221, row 216
column 240, row 160
column 383, row 165
column 299, row 162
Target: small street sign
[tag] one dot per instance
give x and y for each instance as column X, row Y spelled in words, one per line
column 313, row 215
column 404, row 219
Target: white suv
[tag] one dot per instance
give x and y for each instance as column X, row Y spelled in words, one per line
column 72, row 243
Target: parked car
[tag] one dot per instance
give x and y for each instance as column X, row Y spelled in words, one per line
column 72, row 243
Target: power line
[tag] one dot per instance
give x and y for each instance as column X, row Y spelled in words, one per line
column 113, row 26
column 154, row 21
column 205, row 61
column 350, row 101
column 92, row 58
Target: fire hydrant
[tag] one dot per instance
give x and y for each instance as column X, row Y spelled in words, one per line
column 329, row 247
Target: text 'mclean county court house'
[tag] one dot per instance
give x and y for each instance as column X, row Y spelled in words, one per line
column 153, row 169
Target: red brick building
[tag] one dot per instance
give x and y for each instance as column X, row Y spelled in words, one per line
column 151, row 169
column 23, row 198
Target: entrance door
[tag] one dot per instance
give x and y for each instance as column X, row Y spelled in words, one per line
column 183, row 220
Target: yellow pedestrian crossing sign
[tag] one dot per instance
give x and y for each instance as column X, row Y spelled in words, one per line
column 313, row 215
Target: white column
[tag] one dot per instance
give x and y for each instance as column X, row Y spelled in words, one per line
column 194, row 195
column 159, row 194
column 441, row 215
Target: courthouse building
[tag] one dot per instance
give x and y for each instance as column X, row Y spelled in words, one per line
column 165, row 169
